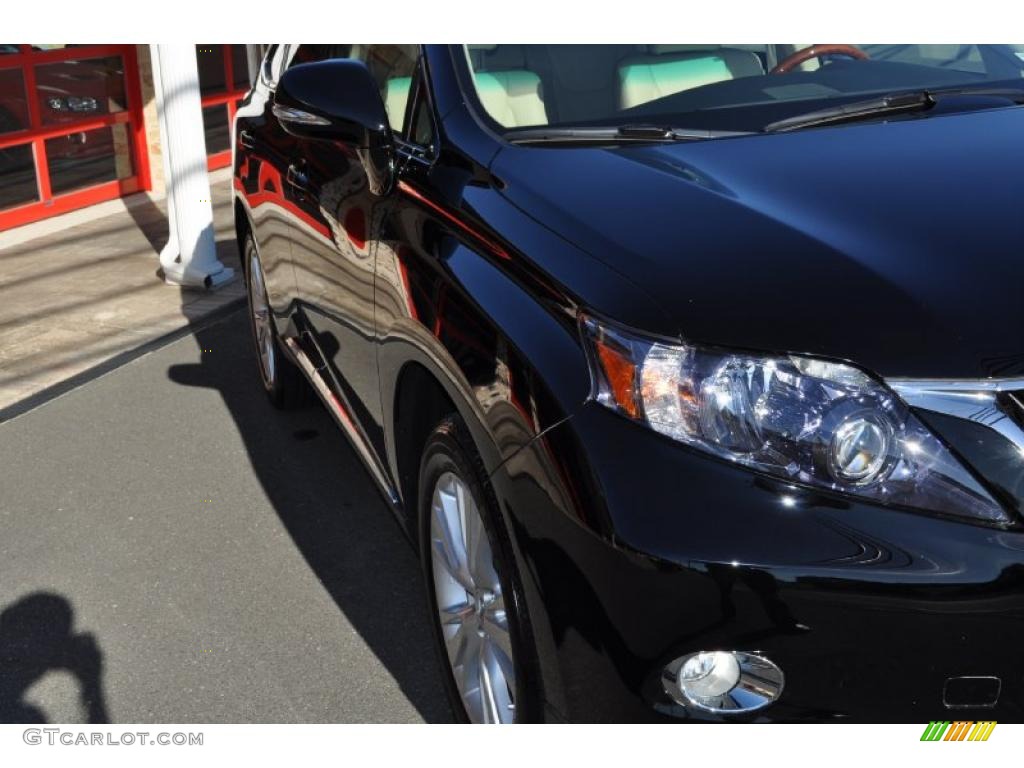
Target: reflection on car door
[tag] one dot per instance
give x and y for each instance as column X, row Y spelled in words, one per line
column 333, row 246
column 263, row 154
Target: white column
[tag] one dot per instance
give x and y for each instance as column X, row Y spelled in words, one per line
column 190, row 257
column 253, row 58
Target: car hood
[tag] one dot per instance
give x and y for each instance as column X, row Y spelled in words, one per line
column 898, row 246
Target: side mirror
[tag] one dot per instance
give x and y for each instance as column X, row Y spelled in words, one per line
column 338, row 100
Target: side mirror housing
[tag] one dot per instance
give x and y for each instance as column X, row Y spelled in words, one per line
column 335, row 100
column 338, row 100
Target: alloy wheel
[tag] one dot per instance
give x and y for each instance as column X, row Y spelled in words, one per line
column 471, row 604
column 261, row 322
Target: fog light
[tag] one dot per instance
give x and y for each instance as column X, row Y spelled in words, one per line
column 709, row 674
column 724, row 682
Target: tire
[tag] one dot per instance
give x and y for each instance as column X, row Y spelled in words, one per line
column 283, row 382
column 451, row 468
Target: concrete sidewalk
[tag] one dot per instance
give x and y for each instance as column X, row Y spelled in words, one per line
column 75, row 300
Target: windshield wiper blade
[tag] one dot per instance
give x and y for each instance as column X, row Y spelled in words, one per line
column 1015, row 95
column 671, row 133
column 640, row 132
column 892, row 104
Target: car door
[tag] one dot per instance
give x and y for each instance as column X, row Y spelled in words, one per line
column 262, row 155
column 333, row 244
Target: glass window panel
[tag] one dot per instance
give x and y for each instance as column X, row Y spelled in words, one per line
column 966, row 58
column 215, row 126
column 392, row 66
column 88, row 158
column 307, row 53
column 210, row 59
column 423, row 126
column 80, row 89
column 17, row 176
column 13, row 105
column 240, row 66
column 8, row 48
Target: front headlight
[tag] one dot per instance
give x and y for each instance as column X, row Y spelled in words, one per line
column 799, row 418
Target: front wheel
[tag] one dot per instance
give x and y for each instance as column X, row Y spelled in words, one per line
column 472, row 586
column 281, row 379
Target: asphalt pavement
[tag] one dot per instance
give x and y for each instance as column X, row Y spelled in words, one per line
column 174, row 550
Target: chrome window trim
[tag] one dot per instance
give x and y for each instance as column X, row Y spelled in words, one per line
column 975, row 401
column 274, row 63
column 421, row 98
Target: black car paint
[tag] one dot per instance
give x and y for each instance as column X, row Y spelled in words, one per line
column 835, row 235
column 468, row 276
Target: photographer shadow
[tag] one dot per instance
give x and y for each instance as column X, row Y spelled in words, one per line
column 37, row 637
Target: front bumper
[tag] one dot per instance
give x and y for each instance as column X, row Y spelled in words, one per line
column 635, row 550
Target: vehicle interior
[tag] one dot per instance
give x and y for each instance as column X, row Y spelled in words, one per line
column 540, row 85
column 716, row 86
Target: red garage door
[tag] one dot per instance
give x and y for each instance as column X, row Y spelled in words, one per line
column 223, row 81
column 71, row 131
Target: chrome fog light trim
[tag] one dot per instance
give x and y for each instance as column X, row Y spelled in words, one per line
column 757, row 681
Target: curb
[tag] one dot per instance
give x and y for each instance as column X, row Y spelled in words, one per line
column 54, row 391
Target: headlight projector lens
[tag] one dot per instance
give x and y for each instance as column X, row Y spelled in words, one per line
column 859, row 451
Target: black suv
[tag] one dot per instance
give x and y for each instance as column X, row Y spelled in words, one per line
column 693, row 372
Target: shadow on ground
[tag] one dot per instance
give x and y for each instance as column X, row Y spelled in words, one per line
column 318, row 489
column 333, row 513
column 37, row 637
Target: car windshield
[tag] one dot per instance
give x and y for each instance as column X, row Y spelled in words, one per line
column 715, row 87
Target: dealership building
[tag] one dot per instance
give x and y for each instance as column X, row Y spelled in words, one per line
column 79, row 124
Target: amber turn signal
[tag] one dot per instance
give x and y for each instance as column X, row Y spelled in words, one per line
column 620, row 372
